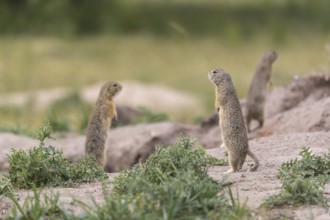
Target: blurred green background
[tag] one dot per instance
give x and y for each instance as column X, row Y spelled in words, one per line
column 73, row 43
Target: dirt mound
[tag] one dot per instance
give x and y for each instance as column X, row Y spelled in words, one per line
column 126, row 116
column 300, row 106
column 305, row 118
column 301, row 91
column 132, row 144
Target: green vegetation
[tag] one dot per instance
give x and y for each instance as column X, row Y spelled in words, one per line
column 37, row 207
column 148, row 116
column 69, row 113
column 172, row 184
column 5, row 187
column 47, row 166
column 16, row 130
column 238, row 20
column 74, row 43
column 38, row 63
column 302, row 181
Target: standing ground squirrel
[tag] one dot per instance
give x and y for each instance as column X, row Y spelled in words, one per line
column 258, row 89
column 100, row 121
column 231, row 122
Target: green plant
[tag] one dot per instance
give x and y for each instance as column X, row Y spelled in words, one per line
column 302, row 181
column 309, row 165
column 170, row 161
column 208, row 159
column 172, row 184
column 38, row 207
column 47, row 166
column 5, row 186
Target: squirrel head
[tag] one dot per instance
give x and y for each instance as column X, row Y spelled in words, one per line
column 219, row 76
column 110, row 90
column 270, row 56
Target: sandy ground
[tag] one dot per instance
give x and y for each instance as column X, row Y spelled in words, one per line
column 252, row 187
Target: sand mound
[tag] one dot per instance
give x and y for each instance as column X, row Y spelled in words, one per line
column 304, row 118
column 301, row 91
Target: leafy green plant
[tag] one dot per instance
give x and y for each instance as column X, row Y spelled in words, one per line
column 38, row 207
column 47, row 166
column 208, row 159
column 170, row 161
column 5, row 186
column 172, row 184
column 309, row 165
column 302, row 181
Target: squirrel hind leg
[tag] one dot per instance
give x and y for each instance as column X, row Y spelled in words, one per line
column 229, row 171
column 248, row 121
column 240, row 163
column 234, row 164
column 261, row 122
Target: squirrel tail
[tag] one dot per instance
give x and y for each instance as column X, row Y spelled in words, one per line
column 255, row 159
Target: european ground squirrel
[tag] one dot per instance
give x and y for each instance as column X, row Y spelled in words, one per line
column 258, row 89
column 100, row 121
column 231, row 121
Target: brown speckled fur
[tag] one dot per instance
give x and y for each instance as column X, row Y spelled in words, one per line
column 258, row 89
column 231, row 121
column 100, row 121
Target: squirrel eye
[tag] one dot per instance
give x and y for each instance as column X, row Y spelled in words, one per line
column 115, row 85
column 214, row 71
